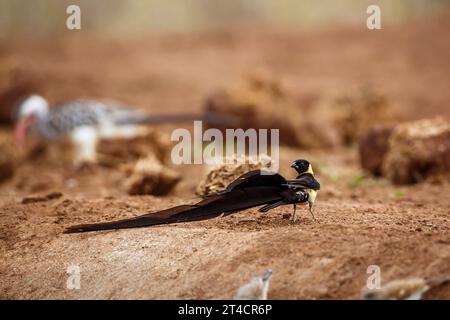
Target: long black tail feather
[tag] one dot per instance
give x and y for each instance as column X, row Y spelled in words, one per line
column 211, row 207
column 185, row 214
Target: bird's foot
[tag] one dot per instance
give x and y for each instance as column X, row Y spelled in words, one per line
column 312, row 214
column 293, row 218
column 294, row 214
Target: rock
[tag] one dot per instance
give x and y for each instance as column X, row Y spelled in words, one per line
column 410, row 152
column 150, row 176
column 220, row 176
column 373, row 147
column 417, row 151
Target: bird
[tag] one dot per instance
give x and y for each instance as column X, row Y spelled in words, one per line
column 252, row 189
column 406, row 289
column 306, row 180
column 85, row 122
column 256, row 289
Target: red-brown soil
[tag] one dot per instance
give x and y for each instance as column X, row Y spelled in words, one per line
column 361, row 221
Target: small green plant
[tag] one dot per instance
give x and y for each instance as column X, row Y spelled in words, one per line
column 357, row 181
column 398, row 194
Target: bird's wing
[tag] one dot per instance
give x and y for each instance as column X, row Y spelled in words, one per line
column 255, row 178
column 65, row 117
column 306, row 181
column 290, row 196
column 91, row 112
column 211, row 207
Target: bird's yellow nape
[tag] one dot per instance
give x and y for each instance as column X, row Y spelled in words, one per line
column 310, row 170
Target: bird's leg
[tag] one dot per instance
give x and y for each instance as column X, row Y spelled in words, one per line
column 310, row 210
column 294, row 215
column 85, row 141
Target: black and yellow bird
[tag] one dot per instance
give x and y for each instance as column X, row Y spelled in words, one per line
column 305, row 182
column 250, row 190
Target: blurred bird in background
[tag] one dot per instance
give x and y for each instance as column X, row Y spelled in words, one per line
column 256, row 289
column 85, row 122
column 407, row 289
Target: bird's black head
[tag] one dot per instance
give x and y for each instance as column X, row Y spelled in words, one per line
column 302, row 166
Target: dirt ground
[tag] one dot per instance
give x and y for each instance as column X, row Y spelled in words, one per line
column 362, row 221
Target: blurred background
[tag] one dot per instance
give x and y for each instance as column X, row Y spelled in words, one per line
column 142, row 51
column 316, row 60
column 341, row 95
column 118, row 19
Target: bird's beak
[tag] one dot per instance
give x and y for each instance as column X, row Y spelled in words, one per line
column 21, row 130
column 267, row 275
column 294, row 165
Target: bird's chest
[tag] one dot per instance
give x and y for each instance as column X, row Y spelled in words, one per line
column 312, row 194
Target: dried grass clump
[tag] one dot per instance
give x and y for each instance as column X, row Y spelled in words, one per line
column 115, row 152
column 418, row 150
column 221, row 175
column 258, row 101
column 261, row 102
column 150, row 176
